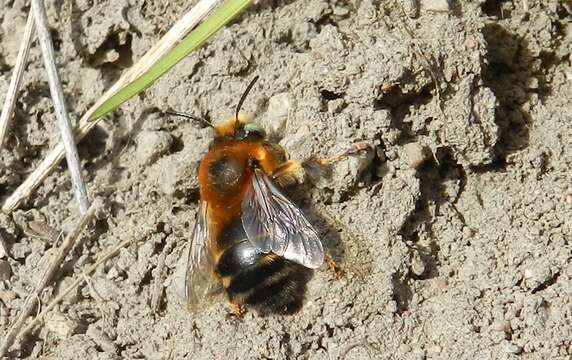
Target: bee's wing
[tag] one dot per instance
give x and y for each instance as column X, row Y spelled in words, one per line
column 274, row 224
column 201, row 287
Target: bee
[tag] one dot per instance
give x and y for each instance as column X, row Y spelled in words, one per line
column 250, row 240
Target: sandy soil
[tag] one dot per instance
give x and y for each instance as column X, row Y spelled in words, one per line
column 455, row 230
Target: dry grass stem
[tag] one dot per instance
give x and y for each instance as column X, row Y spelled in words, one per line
column 62, row 116
column 12, row 92
column 111, row 253
column 33, row 298
column 170, row 39
column 3, row 247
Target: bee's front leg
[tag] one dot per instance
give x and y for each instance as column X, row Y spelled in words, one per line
column 355, row 149
column 289, row 173
column 293, row 172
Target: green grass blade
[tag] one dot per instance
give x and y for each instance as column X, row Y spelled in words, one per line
column 228, row 11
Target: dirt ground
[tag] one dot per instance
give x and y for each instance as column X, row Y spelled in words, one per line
column 454, row 229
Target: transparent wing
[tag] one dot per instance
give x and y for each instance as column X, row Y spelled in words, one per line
column 201, row 288
column 274, row 224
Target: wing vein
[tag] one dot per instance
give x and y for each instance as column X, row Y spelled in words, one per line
column 274, row 224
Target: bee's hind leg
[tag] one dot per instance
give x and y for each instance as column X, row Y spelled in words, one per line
column 236, row 311
column 334, row 267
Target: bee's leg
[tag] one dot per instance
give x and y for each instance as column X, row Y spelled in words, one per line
column 294, row 172
column 353, row 150
column 320, row 168
column 237, row 311
column 289, row 173
column 334, row 267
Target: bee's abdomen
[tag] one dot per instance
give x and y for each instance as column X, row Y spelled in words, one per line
column 266, row 282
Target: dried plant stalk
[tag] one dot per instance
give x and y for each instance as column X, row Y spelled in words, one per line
column 62, row 116
column 178, row 31
column 54, row 265
column 3, row 247
column 12, row 92
column 111, row 253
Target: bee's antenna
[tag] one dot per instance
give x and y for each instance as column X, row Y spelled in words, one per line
column 189, row 116
column 244, row 95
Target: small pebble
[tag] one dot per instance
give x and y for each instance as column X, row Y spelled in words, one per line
column 435, row 5
column 341, row 11
column 113, row 273
column 500, row 325
column 511, row 348
column 335, row 106
column 569, row 199
column 404, row 349
column 145, row 251
column 107, row 57
column 440, row 283
column 20, row 250
column 417, row 265
column 391, row 307
column 537, row 275
column 548, row 206
column 533, row 83
column 434, row 349
column 468, row 232
column 382, row 118
column 471, row 43
column 151, row 145
column 391, row 136
column 528, row 273
column 60, row 325
column 416, row 155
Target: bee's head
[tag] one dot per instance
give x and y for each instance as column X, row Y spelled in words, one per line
column 250, row 131
column 240, row 128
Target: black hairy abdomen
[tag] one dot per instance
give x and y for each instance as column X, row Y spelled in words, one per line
column 266, row 282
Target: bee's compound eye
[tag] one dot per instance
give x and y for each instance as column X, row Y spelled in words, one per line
column 241, row 134
column 253, row 129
